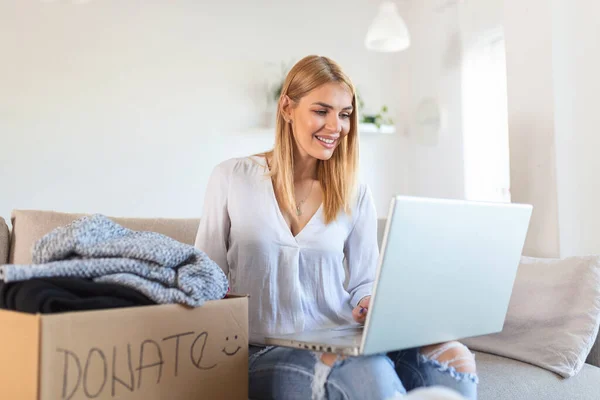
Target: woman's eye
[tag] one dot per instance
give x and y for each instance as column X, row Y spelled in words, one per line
column 321, row 112
column 345, row 116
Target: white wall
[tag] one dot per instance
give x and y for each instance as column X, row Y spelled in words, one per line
column 552, row 86
column 435, row 71
column 124, row 106
column 531, row 120
column 576, row 82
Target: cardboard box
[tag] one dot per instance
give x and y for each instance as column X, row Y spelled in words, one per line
column 152, row 352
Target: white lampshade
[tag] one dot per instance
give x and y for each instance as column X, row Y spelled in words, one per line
column 388, row 32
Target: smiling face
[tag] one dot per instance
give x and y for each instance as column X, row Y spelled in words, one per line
column 320, row 119
column 231, row 346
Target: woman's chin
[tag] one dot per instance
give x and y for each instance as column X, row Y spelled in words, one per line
column 321, row 154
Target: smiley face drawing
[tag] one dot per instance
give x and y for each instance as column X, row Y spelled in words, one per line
column 231, row 344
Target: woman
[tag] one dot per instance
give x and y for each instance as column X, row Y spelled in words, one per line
column 281, row 225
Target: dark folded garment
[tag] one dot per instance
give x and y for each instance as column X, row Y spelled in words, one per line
column 52, row 295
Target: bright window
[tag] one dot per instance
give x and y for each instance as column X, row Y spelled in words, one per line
column 485, row 119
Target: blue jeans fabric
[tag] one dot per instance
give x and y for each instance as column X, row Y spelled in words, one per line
column 285, row 373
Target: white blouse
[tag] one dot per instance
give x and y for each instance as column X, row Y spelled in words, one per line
column 308, row 281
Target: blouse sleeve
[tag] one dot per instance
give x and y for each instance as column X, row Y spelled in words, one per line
column 361, row 249
column 213, row 232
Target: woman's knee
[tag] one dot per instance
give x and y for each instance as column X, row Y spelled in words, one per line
column 451, row 365
column 329, row 358
column 453, row 354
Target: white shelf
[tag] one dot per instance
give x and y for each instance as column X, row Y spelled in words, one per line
column 371, row 129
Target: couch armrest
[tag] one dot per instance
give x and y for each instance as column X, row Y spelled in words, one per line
column 4, row 241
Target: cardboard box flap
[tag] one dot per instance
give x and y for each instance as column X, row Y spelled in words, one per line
column 19, row 355
column 151, row 352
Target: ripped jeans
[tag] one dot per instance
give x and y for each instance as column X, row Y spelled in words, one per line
column 286, row 373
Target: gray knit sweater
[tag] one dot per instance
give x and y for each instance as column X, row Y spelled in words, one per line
column 95, row 247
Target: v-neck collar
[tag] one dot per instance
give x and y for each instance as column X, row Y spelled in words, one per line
column 281, row 218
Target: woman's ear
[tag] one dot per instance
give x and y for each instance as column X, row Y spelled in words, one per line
column 285, row 105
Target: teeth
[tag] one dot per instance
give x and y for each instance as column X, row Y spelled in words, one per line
column 328, row 141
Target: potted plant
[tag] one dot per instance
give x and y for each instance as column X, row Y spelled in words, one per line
column 378, row 119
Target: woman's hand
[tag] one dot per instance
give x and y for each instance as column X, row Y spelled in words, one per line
column 360, row 311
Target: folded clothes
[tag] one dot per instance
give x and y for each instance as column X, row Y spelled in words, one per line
column 53, row 295
column 95, row 247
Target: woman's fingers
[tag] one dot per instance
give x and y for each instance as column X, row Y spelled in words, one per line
column 359, row 313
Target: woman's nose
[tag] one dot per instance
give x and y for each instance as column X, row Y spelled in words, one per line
column 334, row 123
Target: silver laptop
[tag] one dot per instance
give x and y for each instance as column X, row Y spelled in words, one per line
column 446, row 272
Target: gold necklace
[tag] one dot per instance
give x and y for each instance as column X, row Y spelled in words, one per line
column 298, row 210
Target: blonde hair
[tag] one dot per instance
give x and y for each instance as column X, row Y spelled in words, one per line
column 337, row 175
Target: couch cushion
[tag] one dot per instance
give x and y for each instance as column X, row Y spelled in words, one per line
column 4, row 241
column 553, row 315
column 30, row 225
column 506, row 379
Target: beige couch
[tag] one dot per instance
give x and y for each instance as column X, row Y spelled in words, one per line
column 500, row 378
